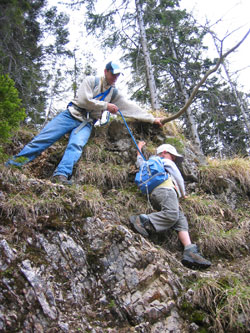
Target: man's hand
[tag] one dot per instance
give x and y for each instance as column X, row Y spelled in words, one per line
column 112, row 108
column 157, row 121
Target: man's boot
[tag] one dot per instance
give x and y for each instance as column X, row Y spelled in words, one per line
column 61, row 179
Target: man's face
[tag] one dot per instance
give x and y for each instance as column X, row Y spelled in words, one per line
column 110, row 78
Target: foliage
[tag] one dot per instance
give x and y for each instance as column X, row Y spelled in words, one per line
column 176, row 46
column 11, row 112
column 20, row 54
column 222, row 127
column 26, row 29
column 33, row 50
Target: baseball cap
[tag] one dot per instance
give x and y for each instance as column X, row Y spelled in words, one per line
column 169, row 149
column 113, row 67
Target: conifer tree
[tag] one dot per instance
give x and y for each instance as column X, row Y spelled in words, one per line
column 11, row 112
column 23, row 25
column 20, row 54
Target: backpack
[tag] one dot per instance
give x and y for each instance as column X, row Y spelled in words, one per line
column 151, row 174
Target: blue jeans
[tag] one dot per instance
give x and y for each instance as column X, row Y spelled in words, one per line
column 53, row 131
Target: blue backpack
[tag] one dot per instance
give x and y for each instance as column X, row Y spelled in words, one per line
column 151, row 174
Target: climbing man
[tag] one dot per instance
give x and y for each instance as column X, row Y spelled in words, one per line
column 164, row 199
column 95, row 95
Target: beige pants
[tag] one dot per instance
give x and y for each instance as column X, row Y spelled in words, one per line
column 169, row 215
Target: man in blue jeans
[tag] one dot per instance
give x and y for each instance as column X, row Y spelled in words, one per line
column 94, row 96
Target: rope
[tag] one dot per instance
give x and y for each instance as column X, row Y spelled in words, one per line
column 132, row 136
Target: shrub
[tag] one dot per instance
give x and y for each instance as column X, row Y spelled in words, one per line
column 11, row 112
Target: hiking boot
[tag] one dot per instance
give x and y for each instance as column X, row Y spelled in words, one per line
column 193, row 259
column 142, row 224
column 147, row 224
column 61, row 179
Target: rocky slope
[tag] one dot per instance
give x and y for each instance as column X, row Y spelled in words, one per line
column 71, row 263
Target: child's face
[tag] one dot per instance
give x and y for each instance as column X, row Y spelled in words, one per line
column 168, row 155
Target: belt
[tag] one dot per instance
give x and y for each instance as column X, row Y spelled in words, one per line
column 84, row 112
column 170, row 184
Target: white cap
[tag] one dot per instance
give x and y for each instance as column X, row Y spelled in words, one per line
column 114, row 67
column 169, row 149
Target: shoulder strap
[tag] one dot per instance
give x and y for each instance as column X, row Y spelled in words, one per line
column 115, row 92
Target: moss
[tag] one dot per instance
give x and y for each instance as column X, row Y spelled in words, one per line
column 91, row 192
column 21, row 159
column 112, row 304
column 198, row 317
column 3, row 156
column 116, row 234
column 186, row 307
column 7, row 273
column 193, row 315
column 203, row 330
column 93, row 258
column 36, row 255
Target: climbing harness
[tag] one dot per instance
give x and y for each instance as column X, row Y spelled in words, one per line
column 101, row 97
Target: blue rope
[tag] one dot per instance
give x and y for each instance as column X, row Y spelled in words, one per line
column 132, row 136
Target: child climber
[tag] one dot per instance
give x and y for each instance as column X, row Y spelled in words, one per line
column 164, row 199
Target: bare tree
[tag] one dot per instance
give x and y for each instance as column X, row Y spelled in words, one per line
column 222, row 56
column 239, row 100
column 149, row 69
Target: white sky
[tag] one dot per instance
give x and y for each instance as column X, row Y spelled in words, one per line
column 231, row 14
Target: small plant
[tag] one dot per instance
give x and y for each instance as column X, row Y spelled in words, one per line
column 111, row 304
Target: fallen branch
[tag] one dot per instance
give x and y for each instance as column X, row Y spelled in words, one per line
column 196, row 88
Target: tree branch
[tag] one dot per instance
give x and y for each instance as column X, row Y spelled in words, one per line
column 209, row 72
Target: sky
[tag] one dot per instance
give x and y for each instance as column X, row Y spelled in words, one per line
column 224, row 16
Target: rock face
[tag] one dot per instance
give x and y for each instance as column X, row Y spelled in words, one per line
column 71, row 263
column 97, row 276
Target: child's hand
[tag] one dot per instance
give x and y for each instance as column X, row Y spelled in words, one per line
column 141, row 144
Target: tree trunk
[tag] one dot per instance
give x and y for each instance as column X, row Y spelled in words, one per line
column 149, row 69
column 48, row 112
column 239, row 100
column 191, row 120
column 193, row 127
